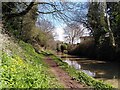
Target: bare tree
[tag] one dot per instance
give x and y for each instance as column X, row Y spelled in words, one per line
column 73, row 32
column 64, row 11
column 45, row 26
column 22, row 8
column 59, row 10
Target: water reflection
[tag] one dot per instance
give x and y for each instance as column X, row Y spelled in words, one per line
column 73, row 63
column 106, row 71
column 78, row 66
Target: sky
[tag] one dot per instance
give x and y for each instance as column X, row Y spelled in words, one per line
column 64, row 0
column 58, row 0
column 59, row 25
column 60, row 34
column 59, row 30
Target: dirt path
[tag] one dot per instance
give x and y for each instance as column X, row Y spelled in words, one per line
column 61, row 75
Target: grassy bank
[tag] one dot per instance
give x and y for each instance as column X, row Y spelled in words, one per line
column 81, row 76
column 22, row 67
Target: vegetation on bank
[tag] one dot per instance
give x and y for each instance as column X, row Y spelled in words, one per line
column 88, row 49
column 25, row 69
column 81, row 76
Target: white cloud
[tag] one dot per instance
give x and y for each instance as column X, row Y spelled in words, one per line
column 60, row 33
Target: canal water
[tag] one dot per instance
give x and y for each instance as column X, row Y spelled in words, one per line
column 101, row 70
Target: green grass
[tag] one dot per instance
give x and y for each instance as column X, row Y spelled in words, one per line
column 25, row 69
column 81, row 76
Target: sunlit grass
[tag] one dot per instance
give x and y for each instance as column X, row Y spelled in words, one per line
column 25, row 69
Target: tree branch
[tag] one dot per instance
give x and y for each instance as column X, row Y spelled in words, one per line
column 29, row 8
column 49, row 12
column 21, row 13
column 45, row 3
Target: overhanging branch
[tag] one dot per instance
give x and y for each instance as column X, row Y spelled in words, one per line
column 49, row 12
column 24, row 12
column 21, row 13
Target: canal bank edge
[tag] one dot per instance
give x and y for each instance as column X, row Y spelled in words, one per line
column 80, row 76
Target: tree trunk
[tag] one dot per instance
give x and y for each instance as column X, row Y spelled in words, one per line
column 112, row 39
column 104, row 12
column 72, row 40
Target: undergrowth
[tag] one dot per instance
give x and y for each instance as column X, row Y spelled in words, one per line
column 25, row 69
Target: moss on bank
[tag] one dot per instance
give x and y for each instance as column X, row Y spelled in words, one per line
column 25, row 69
column 81, row 76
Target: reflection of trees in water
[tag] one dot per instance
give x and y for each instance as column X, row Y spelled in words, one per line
column 73, row 63
column 97, row 69
column 102, row 70
column 106, row 71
